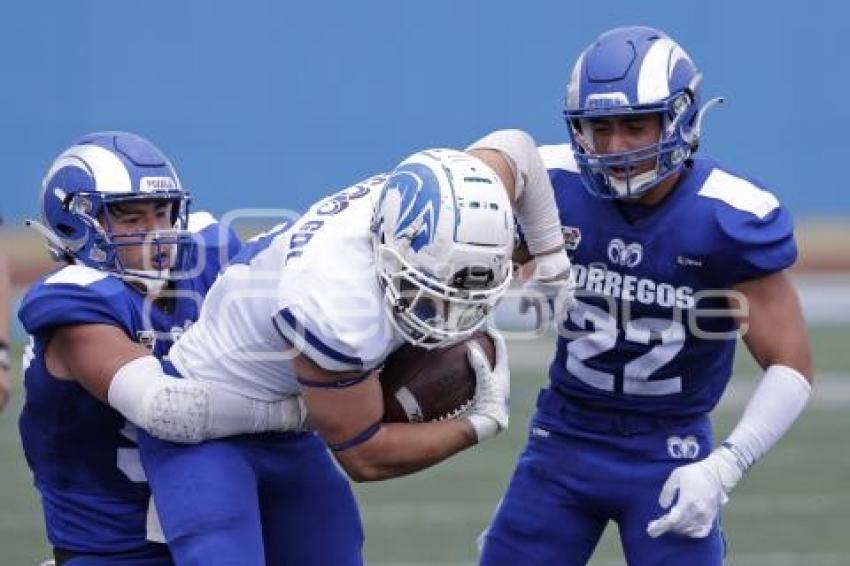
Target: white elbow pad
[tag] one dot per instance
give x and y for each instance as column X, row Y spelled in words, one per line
column 189, row 411
column 166, row 407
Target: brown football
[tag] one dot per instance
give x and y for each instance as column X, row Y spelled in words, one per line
column 425, row 385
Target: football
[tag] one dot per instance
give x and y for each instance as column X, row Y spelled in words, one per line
column 422, row 385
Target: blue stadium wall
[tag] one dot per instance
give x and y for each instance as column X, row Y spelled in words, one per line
column 275, row 103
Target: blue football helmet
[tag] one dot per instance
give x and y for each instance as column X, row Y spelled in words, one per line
column 103, row 169
column 626, row 71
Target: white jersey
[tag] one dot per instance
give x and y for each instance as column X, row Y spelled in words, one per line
column 311, row 284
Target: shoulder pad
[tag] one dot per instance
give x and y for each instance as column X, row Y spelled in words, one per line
column 338, row 323
column 757, row 232
column 76, row 294
column 558, row 157
column 200, row 220
column 214, row 245
column 738, row 193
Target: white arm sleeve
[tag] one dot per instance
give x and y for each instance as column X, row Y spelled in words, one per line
column 535, row 199
column 182, row 410
column 777, row 402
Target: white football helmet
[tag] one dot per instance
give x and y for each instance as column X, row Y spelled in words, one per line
column 443, row 232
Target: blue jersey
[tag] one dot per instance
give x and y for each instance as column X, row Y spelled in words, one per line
column 82, row 452
column 642, row 337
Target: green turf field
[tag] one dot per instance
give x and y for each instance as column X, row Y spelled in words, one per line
column 794, row 509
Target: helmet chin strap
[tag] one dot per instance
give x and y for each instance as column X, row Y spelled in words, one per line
column 622, row 186
column 149, row 281
column 626, row 188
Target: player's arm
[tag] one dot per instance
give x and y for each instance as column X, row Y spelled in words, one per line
column 122, row 373
column 775, row 333
column 5, row 297
column 513, row 155
column 775, row 327
column 347, row 409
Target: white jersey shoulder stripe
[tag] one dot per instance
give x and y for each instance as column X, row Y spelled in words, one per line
column 558, row 157
column 200, row 220
column 294, row 332
column 738, row 193
column 76, row 275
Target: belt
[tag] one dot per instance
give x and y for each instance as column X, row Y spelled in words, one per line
column 579, row 413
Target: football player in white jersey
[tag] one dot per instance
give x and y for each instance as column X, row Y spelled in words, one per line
column 422, row 256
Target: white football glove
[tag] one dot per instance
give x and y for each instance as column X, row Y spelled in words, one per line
column 550, row 291
column 490, row 409
column 703, row 489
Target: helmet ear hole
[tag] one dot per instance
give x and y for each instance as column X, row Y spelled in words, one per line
column 65, row 229
column 473, row 278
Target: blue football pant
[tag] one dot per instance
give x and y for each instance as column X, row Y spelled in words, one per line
column 252, row 500
column 152, row 554
column 581, row 469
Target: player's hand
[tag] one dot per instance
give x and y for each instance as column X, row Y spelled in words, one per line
column 490, row 410
column 550, row 291
column 702, row 489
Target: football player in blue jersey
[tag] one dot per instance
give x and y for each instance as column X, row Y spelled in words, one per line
column 674, row 255
column 138, row 266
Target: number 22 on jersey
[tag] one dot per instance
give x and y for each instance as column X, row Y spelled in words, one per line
column 601, row 334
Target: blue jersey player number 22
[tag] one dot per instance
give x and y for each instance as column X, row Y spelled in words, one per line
column 673, row 257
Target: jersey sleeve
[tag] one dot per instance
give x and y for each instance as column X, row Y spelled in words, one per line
column 329, row 306
column 756, row 233
column 339, row 327
column 75, row 295
column 316, row 339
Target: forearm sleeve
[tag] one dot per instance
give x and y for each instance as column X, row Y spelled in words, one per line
column 777, row 402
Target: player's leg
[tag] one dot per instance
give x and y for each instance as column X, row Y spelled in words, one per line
column 206, row 498
column 659, row 454
column 310, row 515
column 545, row 516
column 671, row 549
